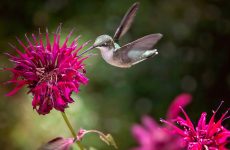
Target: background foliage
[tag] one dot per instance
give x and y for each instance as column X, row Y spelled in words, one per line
column 194, row 57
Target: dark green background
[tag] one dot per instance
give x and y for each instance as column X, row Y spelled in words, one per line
column 194, row 57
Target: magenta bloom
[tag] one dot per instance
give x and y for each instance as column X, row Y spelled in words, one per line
column 51, row 72
column 58, row 143
column 152, row 136
column 207, row 136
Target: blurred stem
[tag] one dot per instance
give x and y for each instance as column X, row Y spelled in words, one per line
column 71, row 130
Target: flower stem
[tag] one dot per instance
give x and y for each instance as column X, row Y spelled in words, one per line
column 71, row 130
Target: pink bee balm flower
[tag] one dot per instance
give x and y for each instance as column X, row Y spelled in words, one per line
column 58, row 143
column 205, row 136
column 152, row 136
column 51, row 71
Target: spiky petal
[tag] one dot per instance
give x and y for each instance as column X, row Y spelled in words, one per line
column 51, row 71
column 208, row 136
column 151, row 136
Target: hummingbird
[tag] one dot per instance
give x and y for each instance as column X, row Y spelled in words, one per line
column 131, row 53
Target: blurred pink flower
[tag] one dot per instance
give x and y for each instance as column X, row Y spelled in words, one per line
column 58, row 143
column 152, row 136
column 208, row 136
column 51, row 72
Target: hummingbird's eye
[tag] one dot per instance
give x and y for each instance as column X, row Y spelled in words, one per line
column 105, row 44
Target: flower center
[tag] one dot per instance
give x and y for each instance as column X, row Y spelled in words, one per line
column 48, row 74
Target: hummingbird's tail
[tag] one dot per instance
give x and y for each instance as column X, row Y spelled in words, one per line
column 147, row 54
column 150, row 53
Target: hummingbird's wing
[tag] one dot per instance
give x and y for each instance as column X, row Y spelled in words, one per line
column 138, row 49
column 126, row 22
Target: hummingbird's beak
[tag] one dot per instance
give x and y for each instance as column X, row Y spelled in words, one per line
column 89, row 49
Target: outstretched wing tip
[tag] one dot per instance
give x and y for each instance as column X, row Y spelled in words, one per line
column 160, row 35
column 156, row 35
column 136, row 4
column 135, row 7
column 126, row 21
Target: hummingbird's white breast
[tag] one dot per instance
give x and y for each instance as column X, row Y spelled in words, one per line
column 107, row 55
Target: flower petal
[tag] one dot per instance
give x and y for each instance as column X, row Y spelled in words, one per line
column 58, row 143
column 181, row 100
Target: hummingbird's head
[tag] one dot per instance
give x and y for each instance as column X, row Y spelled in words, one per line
column 103, row 41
